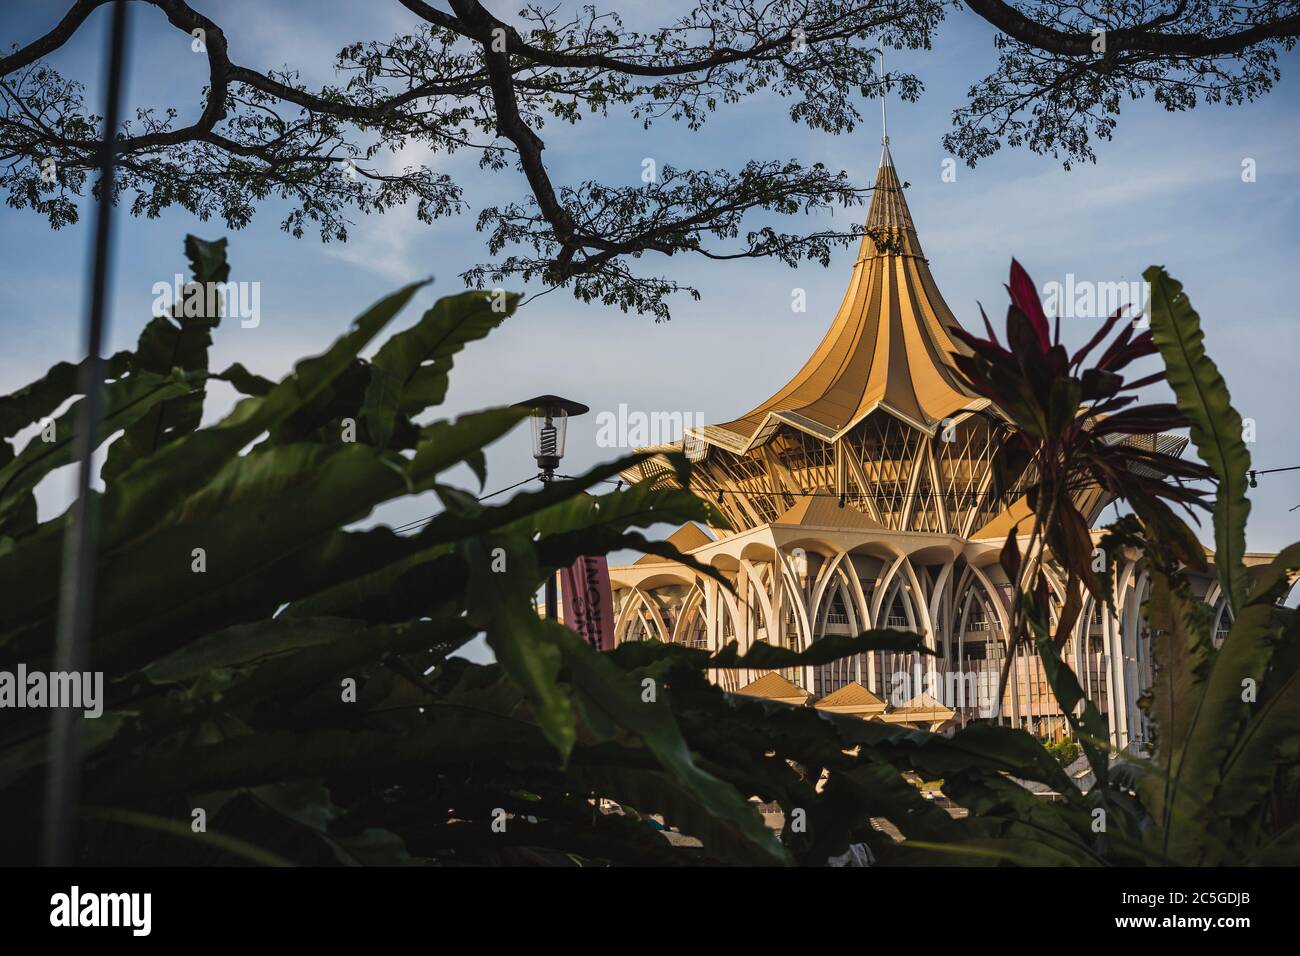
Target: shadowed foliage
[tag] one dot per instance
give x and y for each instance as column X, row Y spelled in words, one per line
column 296, row 680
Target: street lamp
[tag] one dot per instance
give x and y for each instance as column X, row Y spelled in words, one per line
column 550, row 415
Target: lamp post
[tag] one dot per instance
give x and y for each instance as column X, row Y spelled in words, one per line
column 550, row 415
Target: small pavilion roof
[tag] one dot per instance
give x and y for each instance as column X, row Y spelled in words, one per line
column 686, row 538
column 824, row 512
column 852, row 698
column 921, row 709
column 775, row 687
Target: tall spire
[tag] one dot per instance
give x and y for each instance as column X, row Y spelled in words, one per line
column 885, row 158
column 889, row 345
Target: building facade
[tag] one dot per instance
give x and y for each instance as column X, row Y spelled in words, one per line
column 860, row 496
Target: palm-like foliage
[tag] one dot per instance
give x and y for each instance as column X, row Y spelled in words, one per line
column 236, row 612
column 1074, row 427
column 229, row 688
column 1213, row 712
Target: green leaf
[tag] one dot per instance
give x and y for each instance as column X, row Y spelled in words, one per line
column 655, row 791
column 247, row 644
column 642, row 505
column 764, row 656
column 244, row 381
column 409, row 372
column 1270, row 739
column 619, row 697
column 30, row 404
column 143, row 496
column 457, row 738
column 561, row 550
column 125, row 401
column 1258, row 649
column 172, row 340
column 1182, row 651
column 257, row 510
column 1216, row 428
column 17, row 759
column 207, row 259
column 443, row 444
column 1087, row 724
column 502, row 570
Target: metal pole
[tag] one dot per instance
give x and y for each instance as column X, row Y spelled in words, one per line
column 552, row 605
column 552, row 598
column 76, row 599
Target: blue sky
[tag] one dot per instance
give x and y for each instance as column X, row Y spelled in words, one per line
column 1167, row 190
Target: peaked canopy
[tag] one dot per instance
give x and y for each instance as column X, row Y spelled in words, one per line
column 775, row 687
column 854, row 699
column 888, row 347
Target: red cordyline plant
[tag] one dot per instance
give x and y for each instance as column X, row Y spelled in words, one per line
column 1074, row 428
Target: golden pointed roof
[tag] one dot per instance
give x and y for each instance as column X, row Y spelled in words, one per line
column 922, row 707
column 686, row 538
column 811, row 512
column 775, row 687
column 852, row 698
column 888, row 347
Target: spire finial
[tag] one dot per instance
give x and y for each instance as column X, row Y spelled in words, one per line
column 884, row 123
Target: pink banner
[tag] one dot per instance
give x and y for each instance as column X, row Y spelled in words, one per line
column 589, row 601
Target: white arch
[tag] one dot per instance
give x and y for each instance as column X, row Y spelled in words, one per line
column 688, row 607
column 823, row 579
column 638, row 595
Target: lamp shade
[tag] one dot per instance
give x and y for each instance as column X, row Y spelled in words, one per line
column 550, row 415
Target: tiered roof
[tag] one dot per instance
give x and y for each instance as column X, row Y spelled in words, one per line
column 889, row 346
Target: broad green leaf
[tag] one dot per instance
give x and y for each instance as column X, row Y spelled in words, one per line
column 258, row 509
column 1182, row 652
column 458, row 737
column 409, row 372
column 639, row 506
column 30, row 404
column 502, row 576
column 764, row 656
column 1086, row 723
column 247, row 644
column 143, row 496
column 656, row 791
column 207, row 258
column 244, row 381
column 1028, row 851
column 125, row 401
column 443, row 444
column 1216, row 427
column 620, row 697
column 163, row 346
column 17, row 759
column 172, row 340
column 184, row 465
column 1260, row 654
